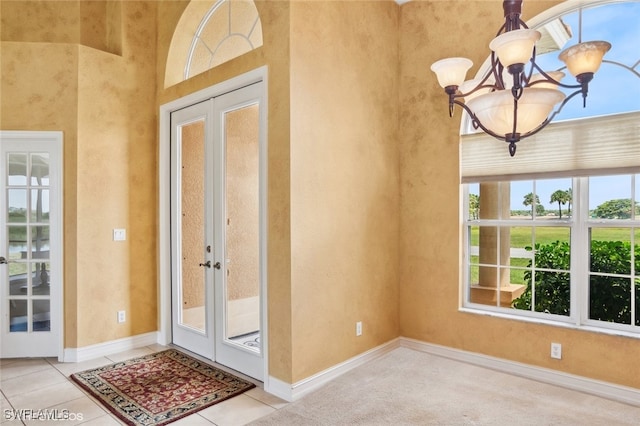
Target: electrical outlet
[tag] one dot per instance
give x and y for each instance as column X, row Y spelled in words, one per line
column 556, row 351
column 122, row 317
column 359, row 328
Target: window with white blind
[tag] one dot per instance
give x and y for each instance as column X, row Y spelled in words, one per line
column 553, row 233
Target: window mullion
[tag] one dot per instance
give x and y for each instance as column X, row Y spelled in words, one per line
column 580, row 252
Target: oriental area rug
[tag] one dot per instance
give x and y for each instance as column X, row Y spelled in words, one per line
column 160, row 388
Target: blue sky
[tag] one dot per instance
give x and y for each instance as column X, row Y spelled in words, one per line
column 613, row 90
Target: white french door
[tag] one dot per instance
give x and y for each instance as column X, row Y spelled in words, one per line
column 192, row 229
column 30, row 244
column 217, row 228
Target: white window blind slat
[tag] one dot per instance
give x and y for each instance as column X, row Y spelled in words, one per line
column 594, row 145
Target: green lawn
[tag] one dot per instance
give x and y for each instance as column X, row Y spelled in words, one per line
column 521, row 235
column 516, row 275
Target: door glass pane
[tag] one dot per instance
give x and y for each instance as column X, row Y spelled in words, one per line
column 17, row 170
column 39, row 205
column 41, row 315
column 17, row 242
column 39, row 242
column 18, row 279
column 17, row 206
column 242, row 288
column 40, row 273
column 17, row 315
column 40, row 169
column 192, row 283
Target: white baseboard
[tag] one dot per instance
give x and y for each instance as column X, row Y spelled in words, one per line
column 107, row 348
column 602, row 389
column 291, row 392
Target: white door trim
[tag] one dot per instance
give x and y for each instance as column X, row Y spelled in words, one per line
column 53, row 141
column 164, row 207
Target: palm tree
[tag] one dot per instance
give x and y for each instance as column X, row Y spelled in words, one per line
column 529, row 201
column 561, row 197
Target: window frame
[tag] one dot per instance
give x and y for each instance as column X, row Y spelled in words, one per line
column 579, row 225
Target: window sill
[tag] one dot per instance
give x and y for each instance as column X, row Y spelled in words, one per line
column 560, row 324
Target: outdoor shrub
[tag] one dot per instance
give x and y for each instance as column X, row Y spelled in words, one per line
column 610, row 296
column 553, row 289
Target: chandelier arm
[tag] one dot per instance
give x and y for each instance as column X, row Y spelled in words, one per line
column 523, row 24
column 557, row 83
column 475, row 89
column 550, row 79
column 526, row 77
column 551, row 117
column 540, row 127
column 497, row 70
column 564, row 102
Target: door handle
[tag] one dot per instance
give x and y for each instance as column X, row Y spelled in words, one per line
column 217, row 265
column 3, row 260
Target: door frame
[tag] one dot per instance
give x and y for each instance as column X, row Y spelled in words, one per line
column 53, row 139
column 164, row 201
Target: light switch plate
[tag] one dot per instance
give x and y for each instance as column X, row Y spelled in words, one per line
column 119, row 234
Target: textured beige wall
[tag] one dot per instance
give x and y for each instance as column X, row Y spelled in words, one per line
column 117, row 133
column 95, row 23
column 41, row 21
column 344, row 180
column 105, row 105
column 431, row 218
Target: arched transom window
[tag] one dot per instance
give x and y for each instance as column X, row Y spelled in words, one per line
column 229, row 29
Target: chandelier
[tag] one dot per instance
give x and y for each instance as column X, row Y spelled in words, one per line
column 510, row 102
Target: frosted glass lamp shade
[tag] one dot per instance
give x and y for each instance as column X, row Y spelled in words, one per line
column 584, row 57
column 515, row 47
column 495, row 109
column 556, row 75
column 451, row 71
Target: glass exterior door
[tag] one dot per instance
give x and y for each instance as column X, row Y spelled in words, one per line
column 239, row 208
column 217, row 223
column 192, row 217
column 30, row 249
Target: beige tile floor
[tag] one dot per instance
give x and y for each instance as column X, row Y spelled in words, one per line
column 44, row 383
